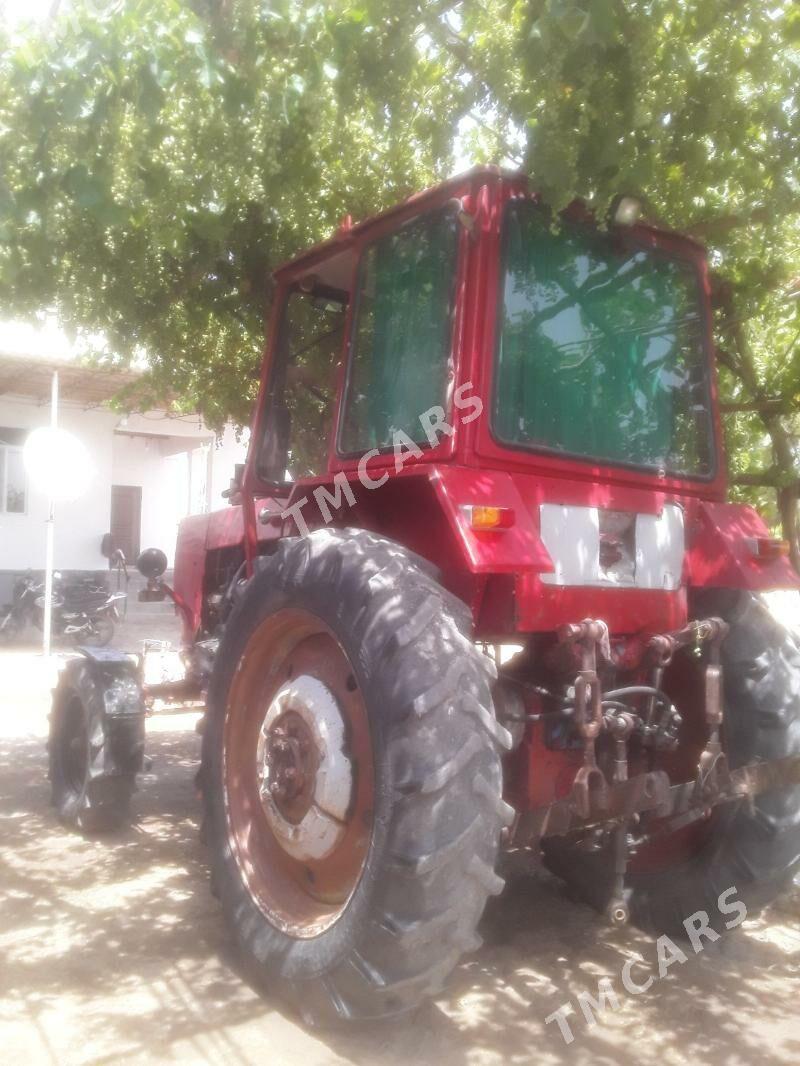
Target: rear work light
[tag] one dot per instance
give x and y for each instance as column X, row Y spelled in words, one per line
column 766, row 548
column 485, row 518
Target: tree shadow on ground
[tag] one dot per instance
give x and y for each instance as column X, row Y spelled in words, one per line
column 116, row 946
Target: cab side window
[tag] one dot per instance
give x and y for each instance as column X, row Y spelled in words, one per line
column 301, row 400
column 400, row 361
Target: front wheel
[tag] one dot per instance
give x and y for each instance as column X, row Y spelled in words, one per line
column 353, row 782
column 95, row 745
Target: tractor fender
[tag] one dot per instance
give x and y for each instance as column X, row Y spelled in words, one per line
column 427, row 508
column 505, row 551
column 720, row 553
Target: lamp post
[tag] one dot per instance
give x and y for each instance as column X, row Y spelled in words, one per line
column 58, row 466
column 47, row 624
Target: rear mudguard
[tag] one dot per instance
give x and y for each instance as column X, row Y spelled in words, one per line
column 720, row 554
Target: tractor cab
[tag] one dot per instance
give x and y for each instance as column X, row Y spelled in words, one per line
column 528, row 401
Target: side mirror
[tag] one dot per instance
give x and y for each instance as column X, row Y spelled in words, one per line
column 235, row 486
column 152, row 563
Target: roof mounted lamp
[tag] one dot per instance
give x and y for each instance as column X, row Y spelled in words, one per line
column 466, row 220
column 625, row 210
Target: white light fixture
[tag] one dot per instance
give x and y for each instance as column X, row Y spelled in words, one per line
column 627, row 210
column 57, row 463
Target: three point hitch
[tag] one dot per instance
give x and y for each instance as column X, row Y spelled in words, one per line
column 614, row 806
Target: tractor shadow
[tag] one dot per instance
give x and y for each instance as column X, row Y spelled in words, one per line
column 114, row 950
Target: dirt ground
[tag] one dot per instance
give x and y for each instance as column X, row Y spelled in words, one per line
column 114, row 950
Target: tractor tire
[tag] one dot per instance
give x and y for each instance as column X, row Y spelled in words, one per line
column 94, row 755
column 382, row 652
column 754, row 848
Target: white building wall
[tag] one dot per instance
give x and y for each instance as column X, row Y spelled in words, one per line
column 176, row 477
column 226, row 453
column 141, row 461
column 81, row 524
column 179, row 465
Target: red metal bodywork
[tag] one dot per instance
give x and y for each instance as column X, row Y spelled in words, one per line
column 198, row 535
column 422, row 505
column 497, row 573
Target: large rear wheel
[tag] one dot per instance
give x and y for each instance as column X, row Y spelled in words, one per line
column 352, row 777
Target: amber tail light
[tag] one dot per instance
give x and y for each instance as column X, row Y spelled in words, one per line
column 487, row 518
column 766, row 548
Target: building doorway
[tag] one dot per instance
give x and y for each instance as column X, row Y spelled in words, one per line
column 126, row 519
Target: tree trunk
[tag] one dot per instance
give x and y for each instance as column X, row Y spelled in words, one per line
column 787, row 504
column 744, row 367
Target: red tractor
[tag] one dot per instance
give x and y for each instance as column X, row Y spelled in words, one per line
column 477, row 590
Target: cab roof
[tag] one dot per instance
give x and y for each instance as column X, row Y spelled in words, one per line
column 337, row 251
column 350, row 232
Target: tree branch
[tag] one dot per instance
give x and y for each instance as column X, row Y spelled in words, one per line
column 718, row 227
column 760, row 479
column 776, row 405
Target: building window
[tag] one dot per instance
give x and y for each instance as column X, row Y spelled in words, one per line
column 13, row 483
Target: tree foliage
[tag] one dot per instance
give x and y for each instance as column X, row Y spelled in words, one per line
column 693, row 105
column 158, row 158
column 157, row 161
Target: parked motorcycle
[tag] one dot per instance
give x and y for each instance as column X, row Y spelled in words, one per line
column 21, row 611
column 85, row 613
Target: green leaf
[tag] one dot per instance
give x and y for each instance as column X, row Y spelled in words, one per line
column 85, row 189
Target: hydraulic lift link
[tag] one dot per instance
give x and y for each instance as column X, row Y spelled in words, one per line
column 590, row 799
column 621, row 726
column 589, row 788
column 712, row 772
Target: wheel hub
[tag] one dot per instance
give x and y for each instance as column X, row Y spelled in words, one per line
column 290, row 763
column 305, row 778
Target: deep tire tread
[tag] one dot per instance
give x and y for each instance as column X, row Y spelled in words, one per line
column 441, row 749
column 102, row 803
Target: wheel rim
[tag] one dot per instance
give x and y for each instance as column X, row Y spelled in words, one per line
column 298, row 773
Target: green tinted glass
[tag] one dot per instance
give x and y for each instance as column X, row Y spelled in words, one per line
column 400, row 359
column 601, row 350
column 300, row 404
